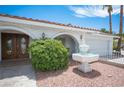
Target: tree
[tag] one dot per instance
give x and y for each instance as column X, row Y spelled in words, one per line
column 121, row 27
column 110, row 9
column 104, row 30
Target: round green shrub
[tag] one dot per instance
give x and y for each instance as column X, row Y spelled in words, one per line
column 48, row 55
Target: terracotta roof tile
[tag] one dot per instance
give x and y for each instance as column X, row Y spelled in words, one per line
column 44, row 21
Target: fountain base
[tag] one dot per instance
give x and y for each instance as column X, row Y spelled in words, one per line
column 85, row 60
column 85, row 67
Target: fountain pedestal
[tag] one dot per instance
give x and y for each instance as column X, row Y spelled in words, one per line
column 85, row 67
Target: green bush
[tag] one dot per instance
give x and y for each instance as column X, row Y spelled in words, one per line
column 48, row 55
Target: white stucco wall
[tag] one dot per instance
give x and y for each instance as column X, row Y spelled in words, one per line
column 101, row 44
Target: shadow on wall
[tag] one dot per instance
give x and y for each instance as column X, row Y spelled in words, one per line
column 69, row 42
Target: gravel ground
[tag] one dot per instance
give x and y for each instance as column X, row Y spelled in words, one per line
column 103, row 75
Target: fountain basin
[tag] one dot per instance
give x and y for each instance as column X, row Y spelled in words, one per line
column 85, row 60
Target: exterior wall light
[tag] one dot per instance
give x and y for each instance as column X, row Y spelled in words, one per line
column 43, row 35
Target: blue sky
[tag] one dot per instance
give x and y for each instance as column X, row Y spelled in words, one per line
column 84, row 16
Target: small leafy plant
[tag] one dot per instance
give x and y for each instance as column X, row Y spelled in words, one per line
column 48, row 55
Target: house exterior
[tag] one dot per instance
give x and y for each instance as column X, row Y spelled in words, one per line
column 16, row 33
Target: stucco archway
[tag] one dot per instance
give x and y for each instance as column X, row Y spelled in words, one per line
column 13, row 30
column 17, row 29
column 69, row 42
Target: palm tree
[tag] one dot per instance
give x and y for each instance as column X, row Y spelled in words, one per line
column 110, row 9
column 121, row 27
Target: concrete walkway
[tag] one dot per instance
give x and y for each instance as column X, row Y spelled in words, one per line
column 17, row 76
column 117, row 60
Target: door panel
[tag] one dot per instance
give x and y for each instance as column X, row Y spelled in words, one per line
column 7, row 46
column 14, row 46
column 22, row 45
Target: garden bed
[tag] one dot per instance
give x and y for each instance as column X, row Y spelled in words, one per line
column 102, row 75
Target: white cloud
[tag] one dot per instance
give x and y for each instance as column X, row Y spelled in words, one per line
column 93, row 11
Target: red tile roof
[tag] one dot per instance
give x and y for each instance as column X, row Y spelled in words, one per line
column 44, row 21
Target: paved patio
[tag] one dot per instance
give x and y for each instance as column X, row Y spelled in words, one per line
column 103, row 75
column 17, row 76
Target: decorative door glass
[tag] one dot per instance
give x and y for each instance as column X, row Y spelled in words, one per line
column 23, row 45
column 14, row 46
column 9, row 46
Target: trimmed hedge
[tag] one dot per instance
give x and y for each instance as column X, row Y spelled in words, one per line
column 48, row 55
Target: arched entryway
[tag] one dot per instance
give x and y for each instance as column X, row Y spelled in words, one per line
column 69, row 42
column 13, row 44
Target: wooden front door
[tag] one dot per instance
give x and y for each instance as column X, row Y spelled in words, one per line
column 14, row 46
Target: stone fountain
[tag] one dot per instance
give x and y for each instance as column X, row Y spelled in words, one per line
column 84, row 57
